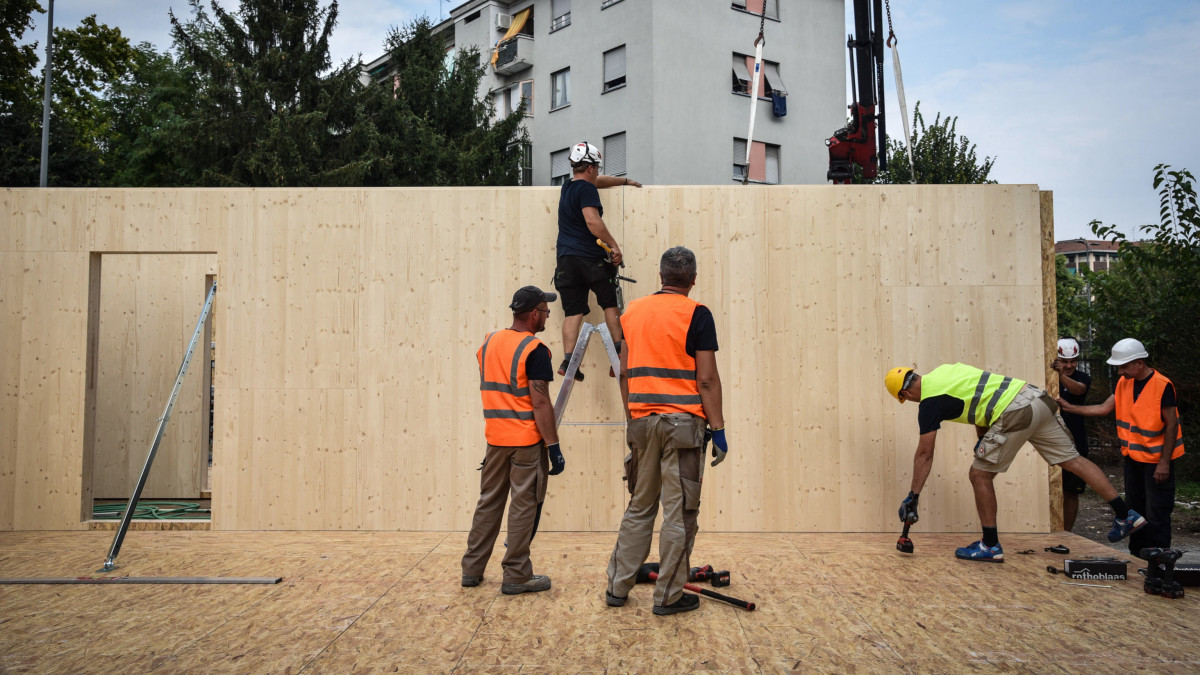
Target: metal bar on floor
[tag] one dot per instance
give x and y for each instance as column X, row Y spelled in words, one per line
column 142, row 580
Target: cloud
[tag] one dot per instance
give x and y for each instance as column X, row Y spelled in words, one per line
column 1086, row 115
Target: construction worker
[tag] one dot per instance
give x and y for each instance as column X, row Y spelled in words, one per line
column 1073, row 386
column 581, row 261
column 514, row 375
column 1006, row 413
column 671, row 390
column 1151, row 439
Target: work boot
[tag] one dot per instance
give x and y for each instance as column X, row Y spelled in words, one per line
column 562, row 370
column 536, row 583
column 614, row 601
column 471, row 581
column 686, row 603
column 1123, row 527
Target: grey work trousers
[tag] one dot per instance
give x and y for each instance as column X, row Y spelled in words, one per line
column 666, row 462
column 521, row 471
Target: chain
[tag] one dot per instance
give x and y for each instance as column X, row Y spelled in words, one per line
column 762, row 22
column 892, row 39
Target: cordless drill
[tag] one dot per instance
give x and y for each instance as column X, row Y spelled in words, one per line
column 1160, row 572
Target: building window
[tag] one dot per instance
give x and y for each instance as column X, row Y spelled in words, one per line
column 560, row 167
column 614, row 154
column 755, row 7
column 513, row 95
column 524, row 155
column 769, row 81
column 764, row 162
column 561, row 11
column 614, row 68
column 560, row 87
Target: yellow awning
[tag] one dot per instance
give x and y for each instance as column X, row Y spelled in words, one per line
column 514, row 28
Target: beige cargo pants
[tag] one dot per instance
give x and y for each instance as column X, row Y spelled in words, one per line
column 665, row 463
column 521, row 472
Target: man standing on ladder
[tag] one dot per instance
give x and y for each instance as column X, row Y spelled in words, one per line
column 672, row 391
column 514, row 375
column 582, row 264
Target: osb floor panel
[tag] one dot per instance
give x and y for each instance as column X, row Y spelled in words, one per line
column 391, row 602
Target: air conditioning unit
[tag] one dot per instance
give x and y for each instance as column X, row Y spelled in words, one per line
column 502, row 21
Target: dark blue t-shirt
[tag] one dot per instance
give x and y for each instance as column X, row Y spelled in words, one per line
column 574, row 237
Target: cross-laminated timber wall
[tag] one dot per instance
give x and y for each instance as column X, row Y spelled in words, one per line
column 348, row 320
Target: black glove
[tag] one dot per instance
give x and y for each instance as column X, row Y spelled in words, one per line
column 908, row 508
column 557, row 462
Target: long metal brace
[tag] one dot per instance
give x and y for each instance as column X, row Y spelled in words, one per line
column 119, row 537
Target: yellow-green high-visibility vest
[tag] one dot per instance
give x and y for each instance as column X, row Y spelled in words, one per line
column 984, row 395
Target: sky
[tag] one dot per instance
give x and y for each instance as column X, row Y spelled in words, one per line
column 1082, row 98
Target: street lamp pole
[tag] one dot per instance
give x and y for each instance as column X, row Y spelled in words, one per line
column 45, row 169
column 1087, row 287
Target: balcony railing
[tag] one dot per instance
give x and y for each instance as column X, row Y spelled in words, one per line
column 514, row 55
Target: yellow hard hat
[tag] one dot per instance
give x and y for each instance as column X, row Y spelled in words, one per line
column 895, row 379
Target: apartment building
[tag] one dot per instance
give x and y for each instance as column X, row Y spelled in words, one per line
column 1097, row 254
column 662, row 87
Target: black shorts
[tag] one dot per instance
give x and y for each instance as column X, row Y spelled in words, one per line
column 575, row 276
column 1072, row 484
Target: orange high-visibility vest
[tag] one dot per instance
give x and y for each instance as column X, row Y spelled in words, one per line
column 1140, row 425
column 504, row 387
column 662, row 377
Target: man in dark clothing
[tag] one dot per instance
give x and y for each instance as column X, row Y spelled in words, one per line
column 581, row 261
column 1151, row 439
column 1073, row 386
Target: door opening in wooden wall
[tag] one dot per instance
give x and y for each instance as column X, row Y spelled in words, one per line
column 143, row 314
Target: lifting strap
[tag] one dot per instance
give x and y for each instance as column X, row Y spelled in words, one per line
column 892, row 41
column 754, row 79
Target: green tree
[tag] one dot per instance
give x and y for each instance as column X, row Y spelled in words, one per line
column 434, row 129
column 270, row 109
column 20, row 105
column 1152, row 292
column 87, row 60
column 940, row 155
column 149, row 109
column 1071, row 304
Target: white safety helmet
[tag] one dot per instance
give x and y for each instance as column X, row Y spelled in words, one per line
column 1127, row 350
column 1068, row 348
column 585, row 153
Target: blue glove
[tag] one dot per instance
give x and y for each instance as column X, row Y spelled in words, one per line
column 557, row 462
column 908, row 508
column 720, row 446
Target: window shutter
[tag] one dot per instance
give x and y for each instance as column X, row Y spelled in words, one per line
column 614, row 154
column 614, row 64
column 560, row 165
column 739, row 67
column 772, row 172
column 739, row 151
column 560, row 7
column 773, row 77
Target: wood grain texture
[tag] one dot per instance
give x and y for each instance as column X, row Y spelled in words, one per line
column 347, row 323
column 149, row 305
column 1050, row 326
column 348, row 603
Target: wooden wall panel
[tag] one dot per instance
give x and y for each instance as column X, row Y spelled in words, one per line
column 43, row 309
column 348, row 321
column 149, row 305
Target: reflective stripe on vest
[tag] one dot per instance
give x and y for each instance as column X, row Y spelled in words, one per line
column 1140, row 425
column 984, row 395
column 504, row 388
column 661, row 375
